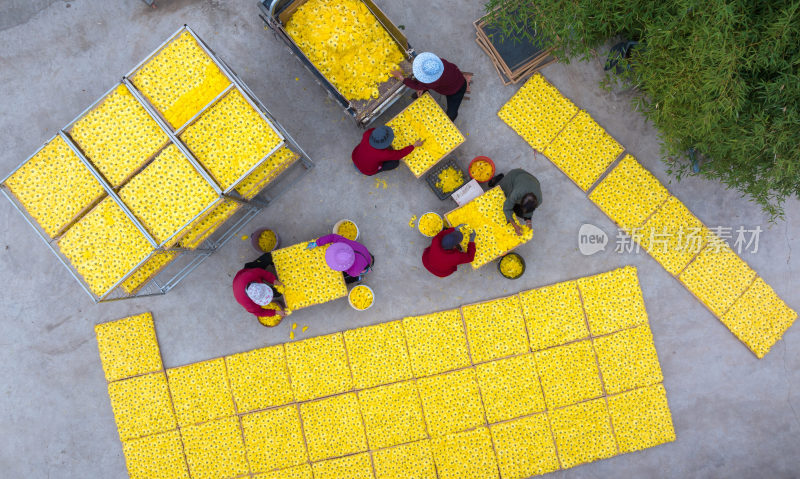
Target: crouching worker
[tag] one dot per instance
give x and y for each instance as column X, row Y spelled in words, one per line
column 375, row 154
column 257, row 290
column 523, row 196
column 350, row 257
column 443, row 256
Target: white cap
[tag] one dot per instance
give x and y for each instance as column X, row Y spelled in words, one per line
column 259, row 293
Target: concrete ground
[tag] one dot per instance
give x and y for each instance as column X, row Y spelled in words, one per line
column 735, row 416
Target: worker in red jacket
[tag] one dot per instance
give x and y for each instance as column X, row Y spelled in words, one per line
column 254, row 288
column 375, row 154
column 443, row 256
column 439, row 75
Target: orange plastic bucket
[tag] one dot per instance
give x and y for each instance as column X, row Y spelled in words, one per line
column 477, row 159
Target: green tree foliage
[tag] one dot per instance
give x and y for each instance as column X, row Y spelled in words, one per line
column 720, row 76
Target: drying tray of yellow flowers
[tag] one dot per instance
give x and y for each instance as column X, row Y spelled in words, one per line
column 424, row 119
column 350, row 46
column 307, row 277
column 494, row 237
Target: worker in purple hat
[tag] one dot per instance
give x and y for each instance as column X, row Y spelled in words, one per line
column 434, row 73
column 350, row 257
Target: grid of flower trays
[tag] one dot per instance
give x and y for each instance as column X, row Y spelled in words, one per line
column 142, row 161
column 425, row 120
column 542, row 380
column 636, row 201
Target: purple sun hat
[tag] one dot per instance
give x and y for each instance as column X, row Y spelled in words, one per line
column 340, row 256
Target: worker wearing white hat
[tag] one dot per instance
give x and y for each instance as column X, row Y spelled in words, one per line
column 255, row 289
column 439, row 75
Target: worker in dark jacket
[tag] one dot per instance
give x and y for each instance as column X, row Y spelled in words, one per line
column 439, row 75
column 443, row 256
column 523, row 195
column 254, row 288
column 375, row 154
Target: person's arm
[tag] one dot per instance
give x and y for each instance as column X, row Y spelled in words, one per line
column 331, row 238
column 508, row 209
column 469, row 255
column 416, row 84
column 398, row 154
column 263, row 275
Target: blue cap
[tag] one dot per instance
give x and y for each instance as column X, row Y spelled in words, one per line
column 381, row 137
column 427, row 67
column 452, row 239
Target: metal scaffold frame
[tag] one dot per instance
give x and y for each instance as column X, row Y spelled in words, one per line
column 215, row 236
column 363, row 113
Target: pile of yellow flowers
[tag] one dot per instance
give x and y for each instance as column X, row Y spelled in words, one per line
column 481, row 170
column 449, row 179
column 430, row 224
column 494, row 236
column 424, row 119
column 104, row 246
column 275, row 319
column 230, row 138
column 461, row 392
column 348, row 229
column 361, row 297
column 537, row 112
column 267, row 240
column 511, row 266
column 347, row 44
column 307, row 277
column 54, row 186
column 629, row 194
column 167, row 194
column 118, row 135
column 180, row 80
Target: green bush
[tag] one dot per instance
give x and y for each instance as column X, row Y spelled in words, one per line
column 720, row 76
